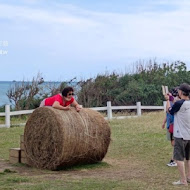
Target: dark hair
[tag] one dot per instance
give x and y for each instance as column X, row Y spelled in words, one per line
column 66, row 90
column 174, row 91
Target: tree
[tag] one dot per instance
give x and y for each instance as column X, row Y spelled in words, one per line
column 143, row 85
column 21, row 94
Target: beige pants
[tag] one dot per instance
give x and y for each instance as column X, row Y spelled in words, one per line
column 42, row 103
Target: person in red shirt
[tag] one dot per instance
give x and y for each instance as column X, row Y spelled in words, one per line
column 62, row 100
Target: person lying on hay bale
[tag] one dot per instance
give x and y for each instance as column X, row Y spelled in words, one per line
column 62, row 101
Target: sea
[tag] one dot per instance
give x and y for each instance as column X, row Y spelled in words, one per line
column 6, row 85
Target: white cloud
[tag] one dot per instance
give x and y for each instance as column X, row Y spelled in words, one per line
column 96, row 40
column 24, row 13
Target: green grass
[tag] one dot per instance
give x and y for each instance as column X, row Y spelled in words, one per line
column 15, row 120
column 136, row 159
column 9, row 138
column 22, row 183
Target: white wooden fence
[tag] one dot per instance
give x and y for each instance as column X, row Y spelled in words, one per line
column 7, row 114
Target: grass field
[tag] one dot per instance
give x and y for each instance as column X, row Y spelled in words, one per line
column 136, row 159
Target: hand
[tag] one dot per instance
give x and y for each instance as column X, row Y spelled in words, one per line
column 78, row 107
column 166, row 96
column 163, row 125
column 67, row 107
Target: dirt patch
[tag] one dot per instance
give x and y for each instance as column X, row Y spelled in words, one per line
column 118, row 169
column 5, row 165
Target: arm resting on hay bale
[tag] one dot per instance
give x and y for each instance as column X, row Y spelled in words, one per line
column 57, row 105
column 76, row 105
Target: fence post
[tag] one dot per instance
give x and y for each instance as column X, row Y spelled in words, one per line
column 109, row 110
column 138, row 108
column 7, row 116
column 164, row 104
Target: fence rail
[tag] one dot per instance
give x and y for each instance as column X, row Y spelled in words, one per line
column 7, row 114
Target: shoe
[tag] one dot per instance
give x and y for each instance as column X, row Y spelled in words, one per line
column 179, row 183
column 172, row 163
column 188, row 180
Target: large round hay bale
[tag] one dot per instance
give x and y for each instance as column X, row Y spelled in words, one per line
column 55, row 138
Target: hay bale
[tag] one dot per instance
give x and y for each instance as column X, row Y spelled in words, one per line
column 55, row 138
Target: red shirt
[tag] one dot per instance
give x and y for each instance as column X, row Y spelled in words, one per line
column 49, row 101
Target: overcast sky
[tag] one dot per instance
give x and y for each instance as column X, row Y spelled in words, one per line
column 77, row 38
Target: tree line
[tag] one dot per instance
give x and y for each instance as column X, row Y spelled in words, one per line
column 143, row 85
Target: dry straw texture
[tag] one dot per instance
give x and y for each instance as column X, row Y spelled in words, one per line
column 55, row 138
